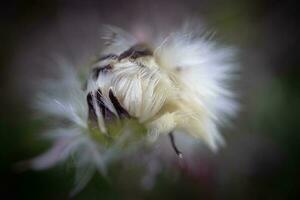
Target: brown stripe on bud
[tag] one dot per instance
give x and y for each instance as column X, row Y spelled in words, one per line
column 96, row 71
column 92, row 116
column 136, row 51
column 120, row 110
column 106, row 113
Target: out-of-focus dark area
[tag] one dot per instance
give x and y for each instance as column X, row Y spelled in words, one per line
column 262, row 156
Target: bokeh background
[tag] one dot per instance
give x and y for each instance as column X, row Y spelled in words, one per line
column 262, row 156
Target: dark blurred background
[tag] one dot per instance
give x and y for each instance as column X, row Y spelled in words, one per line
column 261, row 159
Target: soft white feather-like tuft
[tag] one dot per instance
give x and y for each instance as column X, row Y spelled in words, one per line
column 64, row 101
column 204, row 71
column 116, row 40
column 184, row 86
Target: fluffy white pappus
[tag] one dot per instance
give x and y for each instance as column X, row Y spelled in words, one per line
column 204, row 71
column 116, row 40
column 180, row 84
column 63, row 102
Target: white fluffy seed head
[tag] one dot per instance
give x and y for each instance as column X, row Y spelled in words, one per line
column 178, row 84
column 181, row 82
